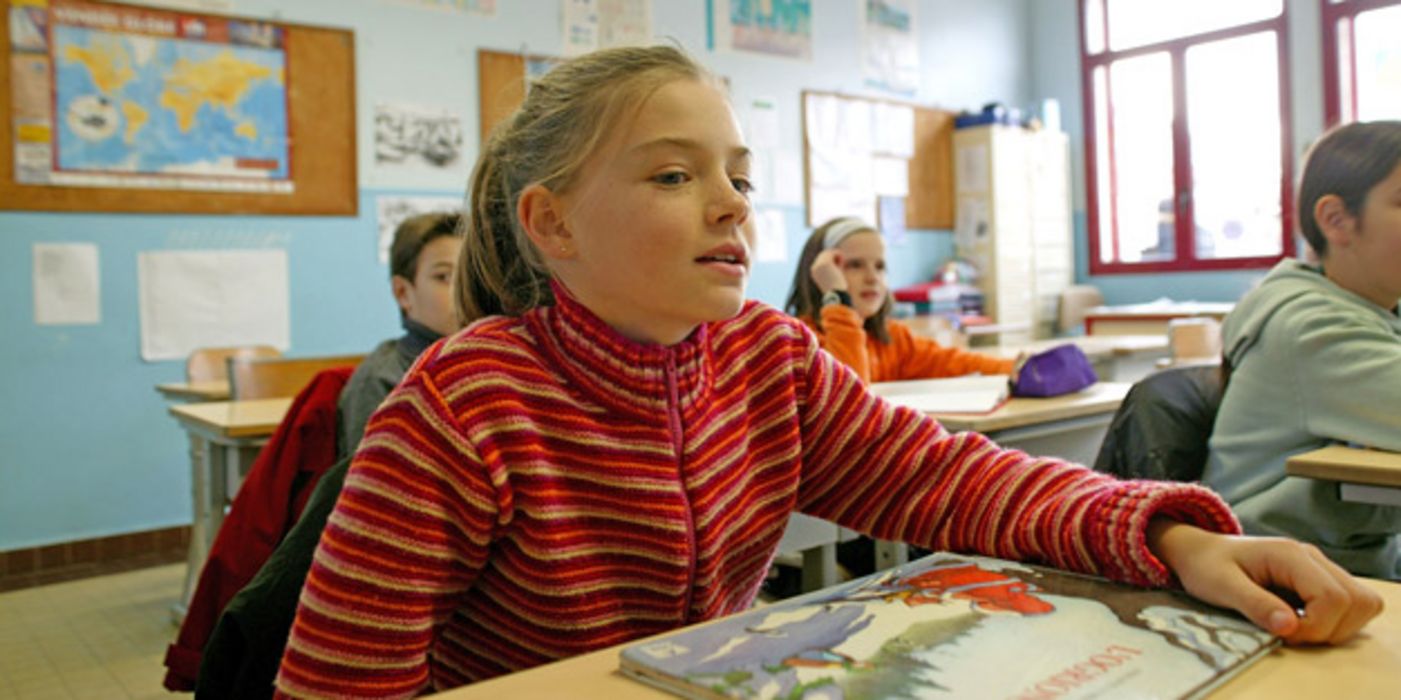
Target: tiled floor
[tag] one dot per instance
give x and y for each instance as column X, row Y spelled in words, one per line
column 95, row 638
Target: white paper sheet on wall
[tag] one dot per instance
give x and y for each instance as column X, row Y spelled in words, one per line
column 391, row 210
column 772, row 243
column 67, row 289
column 193, row 299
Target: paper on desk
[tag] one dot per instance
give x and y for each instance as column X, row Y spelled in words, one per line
column 66, row 284
column 972, row 394
column 193, row 299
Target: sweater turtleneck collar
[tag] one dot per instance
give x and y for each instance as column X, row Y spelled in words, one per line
column 417, row 337
column 625, row 373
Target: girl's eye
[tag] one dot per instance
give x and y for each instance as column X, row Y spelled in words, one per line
column 674, row 177
column 742, row 185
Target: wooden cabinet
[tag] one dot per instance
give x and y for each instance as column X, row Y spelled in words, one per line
column 1012, row 221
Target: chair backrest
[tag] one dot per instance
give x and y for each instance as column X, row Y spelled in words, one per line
column 1075, row 300
column 211, row 364
column 1194, row 339
column 268, row 378
column 1161, row 429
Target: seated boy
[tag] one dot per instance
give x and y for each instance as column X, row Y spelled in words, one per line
column 421, row 264
column 1313, row 357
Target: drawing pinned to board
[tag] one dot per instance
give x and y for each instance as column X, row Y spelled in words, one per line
column 391, row 211
column 417, row 137
column 774, row 28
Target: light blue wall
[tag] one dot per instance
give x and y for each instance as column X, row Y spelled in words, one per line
column 86, row 446
column 1055, row 72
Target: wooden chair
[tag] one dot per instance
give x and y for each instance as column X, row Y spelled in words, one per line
column 211, row 364
column 1075, row 300
column 277, row 377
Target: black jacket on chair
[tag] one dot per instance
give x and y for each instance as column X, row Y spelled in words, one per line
column 245, row 650
column 1161, row 430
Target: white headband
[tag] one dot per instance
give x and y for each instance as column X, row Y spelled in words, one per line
column 842, row 229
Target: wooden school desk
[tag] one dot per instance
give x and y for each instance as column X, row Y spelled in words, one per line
column 1151, row 318
column 217, row 390
column 225, row 437
column 1367, row 667
column 1363, row 476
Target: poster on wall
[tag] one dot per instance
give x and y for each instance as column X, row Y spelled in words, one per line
column 127, row 97
column 889, row 49
column 775, row 27
column 590, row 25
column 476, row 7
column 193, row 299
column 417, row 137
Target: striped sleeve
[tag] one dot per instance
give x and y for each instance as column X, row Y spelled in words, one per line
column 896, row 474
column 406, row 539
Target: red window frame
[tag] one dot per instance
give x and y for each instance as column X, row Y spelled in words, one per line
column 1334, row 15
column 1183, row 234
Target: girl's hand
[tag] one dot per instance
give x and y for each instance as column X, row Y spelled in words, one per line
column 1240, row 573
column 826, row 271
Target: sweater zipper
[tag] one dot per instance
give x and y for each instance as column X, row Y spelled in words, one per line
column 674, row 418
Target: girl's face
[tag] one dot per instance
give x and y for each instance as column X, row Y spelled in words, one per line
column 863, row 265
column 427, row 298
column 1368, row 261
column 658, row 217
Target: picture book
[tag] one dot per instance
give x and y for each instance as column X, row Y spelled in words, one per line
column 971, row 394
column 954, row 626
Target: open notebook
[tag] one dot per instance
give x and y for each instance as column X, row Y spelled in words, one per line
column 972, row 394
column 952, row 626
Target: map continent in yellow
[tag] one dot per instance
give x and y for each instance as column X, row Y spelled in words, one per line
column 221, row 81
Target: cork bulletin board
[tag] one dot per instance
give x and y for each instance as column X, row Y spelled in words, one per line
column 120, row 108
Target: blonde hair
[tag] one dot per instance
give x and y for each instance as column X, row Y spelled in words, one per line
column 566, row 116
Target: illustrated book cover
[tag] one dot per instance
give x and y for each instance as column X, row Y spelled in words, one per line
column 970, row 394
column 955, row 626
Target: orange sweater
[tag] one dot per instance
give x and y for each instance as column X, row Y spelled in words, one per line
column 906, row 356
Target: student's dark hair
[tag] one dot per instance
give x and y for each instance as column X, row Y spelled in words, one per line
column 1348, row 161
column 805, row 298
column 566, row 115
column 414, row 234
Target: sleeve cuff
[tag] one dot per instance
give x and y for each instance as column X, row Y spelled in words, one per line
column 1128, row 558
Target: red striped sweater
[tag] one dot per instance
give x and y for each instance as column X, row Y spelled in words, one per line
column 539, row 487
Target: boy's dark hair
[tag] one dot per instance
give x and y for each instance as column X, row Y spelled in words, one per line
column 1348, row 161
column 805, row 299
column 415, row 233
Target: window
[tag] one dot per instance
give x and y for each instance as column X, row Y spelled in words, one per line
column 1361, row 60
column 1187, row 136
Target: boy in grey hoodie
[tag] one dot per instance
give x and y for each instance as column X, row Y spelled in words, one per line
column 1313, row 357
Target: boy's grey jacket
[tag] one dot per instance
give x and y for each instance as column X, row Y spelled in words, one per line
column 1313, row 364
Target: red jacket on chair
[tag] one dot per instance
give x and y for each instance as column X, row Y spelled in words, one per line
column 267, row 505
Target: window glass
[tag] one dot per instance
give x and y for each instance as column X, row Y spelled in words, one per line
column 1135, row 22
column 1233, row 121
column 1377, row 34
column 1140, row 90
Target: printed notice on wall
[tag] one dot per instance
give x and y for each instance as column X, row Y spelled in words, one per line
column 194, row 299
column 66, row 284
column 392, row 210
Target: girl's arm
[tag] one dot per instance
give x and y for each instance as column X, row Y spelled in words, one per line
column 408, row 535
column 896, row 474
column 917, row 357
column 844, row 337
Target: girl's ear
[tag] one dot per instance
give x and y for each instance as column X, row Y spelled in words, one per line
column 1337, row 224
column 541, row 213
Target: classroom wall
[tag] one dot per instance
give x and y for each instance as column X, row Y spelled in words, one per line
column 86, row 447
column 1055, row 72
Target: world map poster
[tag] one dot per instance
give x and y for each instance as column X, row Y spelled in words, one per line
column 115, row 96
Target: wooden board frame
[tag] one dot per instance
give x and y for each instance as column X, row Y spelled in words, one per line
column 930, row 203
column 321, row 98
